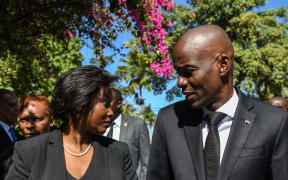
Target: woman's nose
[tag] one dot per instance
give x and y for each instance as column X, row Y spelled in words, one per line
column 30, row 125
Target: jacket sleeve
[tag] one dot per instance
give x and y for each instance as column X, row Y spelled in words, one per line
column 19, row 169
column 129, row 170
column 144, row 148
column 279, row 161
column 159, row 167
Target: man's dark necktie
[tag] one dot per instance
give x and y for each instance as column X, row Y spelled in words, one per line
column 110, row 133
column 212, row 145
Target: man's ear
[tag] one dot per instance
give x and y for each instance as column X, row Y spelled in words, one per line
column 225, row 64
column 119, row 104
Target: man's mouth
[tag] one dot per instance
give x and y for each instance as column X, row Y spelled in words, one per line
column 188, row 94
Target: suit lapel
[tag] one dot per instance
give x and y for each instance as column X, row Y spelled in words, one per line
column 191, row 120
column 123, row 128
column 242, row 123
column 101, row 166
column 55, row 155
column 193, row 136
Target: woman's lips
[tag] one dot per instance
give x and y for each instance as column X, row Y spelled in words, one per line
column 107, row 123
column 27, row 135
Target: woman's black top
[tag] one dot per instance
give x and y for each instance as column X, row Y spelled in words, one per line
column 90, row 173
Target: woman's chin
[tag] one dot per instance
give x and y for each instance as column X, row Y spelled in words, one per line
column 100, row 131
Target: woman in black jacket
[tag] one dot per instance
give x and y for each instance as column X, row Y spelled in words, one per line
column 81, row 99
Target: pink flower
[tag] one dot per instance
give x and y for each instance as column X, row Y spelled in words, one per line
column 192, row 15
column 169, row 24
column 38, row 21
column 47, row 74
column 120, row 2
column 69, row 34
column 170, row 5
column 150, row 23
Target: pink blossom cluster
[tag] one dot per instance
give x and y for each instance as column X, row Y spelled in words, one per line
column 120, row 2
column 104, row 23
column 47, row 74
column 149, row 22
column 69, row 34
column 153, row 32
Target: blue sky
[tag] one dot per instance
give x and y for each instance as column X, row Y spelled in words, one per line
column 156, row 101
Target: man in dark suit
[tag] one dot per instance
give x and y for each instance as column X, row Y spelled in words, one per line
column 8, row 117
column 217, row 132
column 133, row 131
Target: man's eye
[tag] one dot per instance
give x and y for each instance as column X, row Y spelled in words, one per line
column 186, row 72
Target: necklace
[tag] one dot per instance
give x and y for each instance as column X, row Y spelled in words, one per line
column 80, row 154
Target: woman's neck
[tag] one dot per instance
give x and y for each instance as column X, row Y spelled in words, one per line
column 76, row 139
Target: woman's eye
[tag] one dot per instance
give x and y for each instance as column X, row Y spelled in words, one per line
column 38, row 119
column 23, row 120
column 107, row 104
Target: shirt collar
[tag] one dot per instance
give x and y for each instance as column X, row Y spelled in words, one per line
column 117, row 121
column 5, row 126
column 230, row 106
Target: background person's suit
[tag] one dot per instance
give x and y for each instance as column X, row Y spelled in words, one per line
column 42, row 158
column 6, row 151
column 135, row 133
column 257, row 147
column 4, row 139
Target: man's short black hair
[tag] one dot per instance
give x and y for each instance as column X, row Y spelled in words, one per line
column 4, row 95
column 77, row 91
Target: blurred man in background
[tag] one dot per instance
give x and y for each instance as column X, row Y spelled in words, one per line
column 131, row 130
column 8, row 117
column 279, row 102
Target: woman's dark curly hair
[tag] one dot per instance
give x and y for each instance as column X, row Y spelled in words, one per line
column 77, row 91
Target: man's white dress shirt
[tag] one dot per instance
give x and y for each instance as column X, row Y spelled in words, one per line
column 224, row 126
column 116, row 129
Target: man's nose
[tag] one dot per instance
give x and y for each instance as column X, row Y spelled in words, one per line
column 182, row 82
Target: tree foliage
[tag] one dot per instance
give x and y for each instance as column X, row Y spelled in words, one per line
column 21, row 22
column 259, row 38
column 39, row 72
column 38, row 38
column 136, row 72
